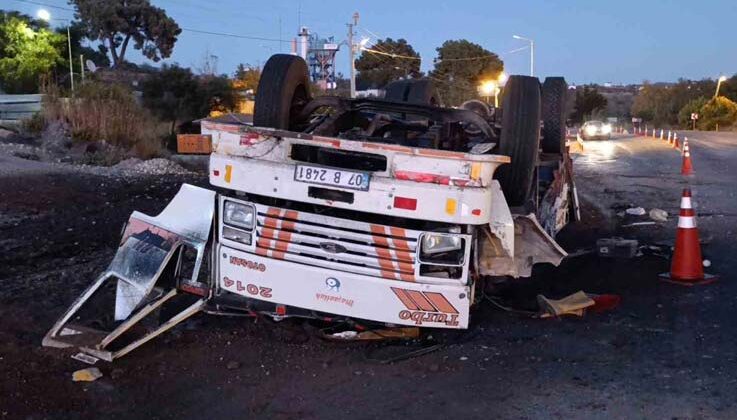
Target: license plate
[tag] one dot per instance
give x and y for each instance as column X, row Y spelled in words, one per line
column 332, row 177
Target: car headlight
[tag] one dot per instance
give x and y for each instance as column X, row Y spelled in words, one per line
column 590, row 130
column 606, row 129
column 239, row 215
column 438, row 248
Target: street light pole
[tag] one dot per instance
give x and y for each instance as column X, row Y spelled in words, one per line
column 719, row 84
column 532, row 52
column 44, row 14
column 352, row 52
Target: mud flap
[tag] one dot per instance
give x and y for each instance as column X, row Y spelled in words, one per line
column 532, row 245
column 145, row 272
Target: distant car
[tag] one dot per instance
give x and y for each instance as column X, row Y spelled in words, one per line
column 595, row 130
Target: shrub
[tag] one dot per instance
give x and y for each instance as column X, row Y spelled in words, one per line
column 109, row 113
column 718, row 112
column 693, row 106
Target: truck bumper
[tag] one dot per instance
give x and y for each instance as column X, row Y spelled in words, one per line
column 341, row 293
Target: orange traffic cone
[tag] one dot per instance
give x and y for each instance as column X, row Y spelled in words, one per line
column 670, row 137
column 675, row 141
column 686, row 166
column 686, row 264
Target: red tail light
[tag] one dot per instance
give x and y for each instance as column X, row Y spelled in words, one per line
column 405, row 203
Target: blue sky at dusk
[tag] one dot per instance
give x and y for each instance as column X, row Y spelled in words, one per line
column 622, row 41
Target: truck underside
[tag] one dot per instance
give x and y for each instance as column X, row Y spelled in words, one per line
column 372, row 212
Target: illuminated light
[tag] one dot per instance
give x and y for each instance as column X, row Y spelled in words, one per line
column 228, row 173
column 488, row 87
column 405, row 203
column 215, row 172
column 281, row 310
column 475, row 170
column 451, row 206
column 43, row 14
column 502, row 78
column 476, row 212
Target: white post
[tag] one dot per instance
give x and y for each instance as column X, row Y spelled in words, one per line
column 71, row 71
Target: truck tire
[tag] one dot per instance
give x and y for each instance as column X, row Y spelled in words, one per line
column 284, row 88
column 554, row 118
column 423, row 92
column 414, row 91
column 520, row 138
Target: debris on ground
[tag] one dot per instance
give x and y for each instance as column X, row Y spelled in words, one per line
column 232, row 365
column 635, row 211
column 659, row 215
column 574, row 304
column 87, row 375
column 639, row 224
column 616, row 247
column 86, row 358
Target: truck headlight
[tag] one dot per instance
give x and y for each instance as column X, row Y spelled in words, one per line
column 439, row 248
column 606, row 129
column 239, row 215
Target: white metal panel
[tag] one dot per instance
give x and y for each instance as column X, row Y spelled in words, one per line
column 355, row 295
column 276, row 180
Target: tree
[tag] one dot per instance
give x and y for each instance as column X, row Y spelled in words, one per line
column 729, row 88
column 176, row 95
column 392, row 60
column 460, row 68
column 693, row 106
column 246, row 77
column 27, row 51
column 660, row 104
column 116, row 22
column 587, row 104
column 718, row 112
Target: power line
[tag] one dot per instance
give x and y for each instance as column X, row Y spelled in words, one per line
column 257, row 38
column 52, row 6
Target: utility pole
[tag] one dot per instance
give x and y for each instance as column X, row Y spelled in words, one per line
column 71, row 71
column 352, row 52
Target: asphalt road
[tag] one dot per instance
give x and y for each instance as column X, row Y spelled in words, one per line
column 666, row 352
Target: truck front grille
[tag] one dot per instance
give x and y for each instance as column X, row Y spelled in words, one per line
column 340, row 244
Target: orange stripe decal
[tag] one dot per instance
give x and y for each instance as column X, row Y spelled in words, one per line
column 440, row 302
column 381, row 246
column 405, row 299
column 419, row 299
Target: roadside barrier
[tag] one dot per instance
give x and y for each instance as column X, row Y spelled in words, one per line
column 687, row 266
column 686, row 166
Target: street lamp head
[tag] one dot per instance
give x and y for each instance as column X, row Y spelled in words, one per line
column 517, row 37
column 502, row 78
column 43, row 14
column 363, row 42
column 722, row 78
column 488, row 87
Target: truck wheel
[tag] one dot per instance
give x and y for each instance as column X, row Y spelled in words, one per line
column 520, row 137
column 283, row 90
column 414, row 91
column 554, row 119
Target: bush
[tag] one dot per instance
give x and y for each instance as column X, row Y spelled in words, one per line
column 109, row 113
column 718, row 113
column 693, row 106
column 176, row 95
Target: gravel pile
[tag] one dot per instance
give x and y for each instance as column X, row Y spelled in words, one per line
column 158, row 166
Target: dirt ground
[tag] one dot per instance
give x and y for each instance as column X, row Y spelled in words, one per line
column 665, row 352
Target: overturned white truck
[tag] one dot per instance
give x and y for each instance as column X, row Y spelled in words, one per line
column 376, row 212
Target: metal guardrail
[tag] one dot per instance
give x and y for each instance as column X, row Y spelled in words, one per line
column 18, row 107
